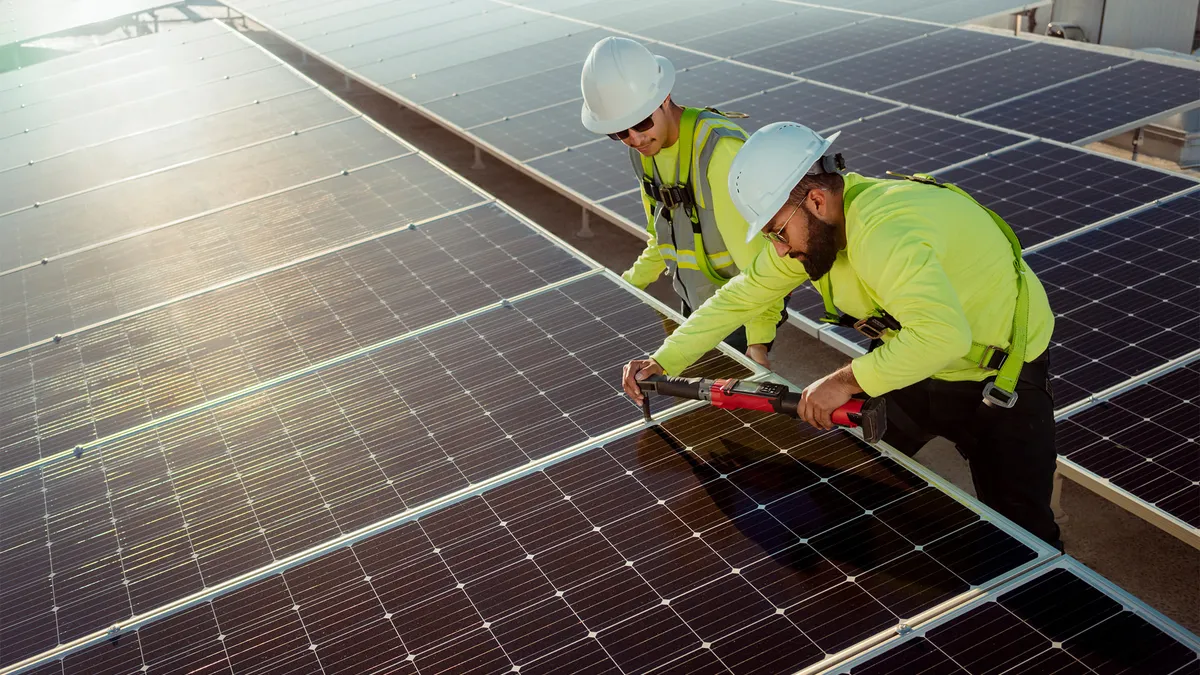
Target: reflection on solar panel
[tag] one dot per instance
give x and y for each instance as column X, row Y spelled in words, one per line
column 810, row 52
column 1062, row 619
column 1144, row 442
column 907, row 141
column 999, row 77
column 630, row 206
column 120, row 209
column 1101, row 105
column 199, row 349
column 1045, row 191
column 749, row 539
column 29, row 21
column 1124, row 297
column 911, row 59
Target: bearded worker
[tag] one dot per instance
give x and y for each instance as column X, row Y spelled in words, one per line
column 959, row 324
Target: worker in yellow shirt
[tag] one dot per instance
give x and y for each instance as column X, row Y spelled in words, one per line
column 959, row 324
column 681, row 157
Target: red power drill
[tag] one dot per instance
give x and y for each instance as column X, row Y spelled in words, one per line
column 870, row 414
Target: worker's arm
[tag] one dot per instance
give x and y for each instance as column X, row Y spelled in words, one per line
column 768, row 279
column 649, row 264
column 760, row 328
column 901, row 269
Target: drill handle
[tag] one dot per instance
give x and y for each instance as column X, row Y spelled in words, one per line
column 693, row 388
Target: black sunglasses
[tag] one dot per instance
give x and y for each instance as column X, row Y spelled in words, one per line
column 640, row 127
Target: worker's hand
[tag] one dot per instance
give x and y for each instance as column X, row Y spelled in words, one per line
column 638, row 369
column 759, row 354
column 821, row 398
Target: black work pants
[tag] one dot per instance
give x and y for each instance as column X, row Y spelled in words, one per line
column 1011, row 450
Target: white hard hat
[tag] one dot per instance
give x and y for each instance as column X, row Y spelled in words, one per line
column 769, row 165
column 622, row 84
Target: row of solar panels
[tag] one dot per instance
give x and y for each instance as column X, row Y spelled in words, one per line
column 929, row 85
column 312, row 436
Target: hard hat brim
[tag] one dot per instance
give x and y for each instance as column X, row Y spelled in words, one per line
column 790, row 182
column 665, row 83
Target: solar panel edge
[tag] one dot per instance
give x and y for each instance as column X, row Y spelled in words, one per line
column 69, row 27
column 212, row 592
column 1129, row 502
column 1065, row 563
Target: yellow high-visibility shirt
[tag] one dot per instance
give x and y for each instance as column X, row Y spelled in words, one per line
column 760, row 328
column 929, row 257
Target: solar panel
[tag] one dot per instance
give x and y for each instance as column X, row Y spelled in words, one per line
column 699, row 25
column 538, row 133
column 714, row 83
column 965, row 11
column 321, row 454
column 597, row 170
column 815, row 50
column 801, row 22
column 629, row 206
column 1063, row 619
column 1100, row 105
column 120, row 209
column 386, row 20
column 907, row 60
column 26, row 114
column 155, row 150
column 1144, row 442
column 907, row 141
column 1045, row 191
column 424, row 85
column 168, row 359
column 1006, row 75
column 657, row 534
column 813, row 105
column 52, row 136
column 1124, row 297
column 31, row 21
column 493, row 103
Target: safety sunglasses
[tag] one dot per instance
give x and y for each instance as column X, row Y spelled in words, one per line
column 640, row 127
column 777, row 235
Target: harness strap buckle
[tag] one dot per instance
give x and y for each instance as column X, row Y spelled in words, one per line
column 874, row 326
column 997, row 397
column 992, row 358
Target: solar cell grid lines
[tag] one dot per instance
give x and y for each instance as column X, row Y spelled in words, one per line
column 119, row 209
column 817, row 107
column 160, row 362
column 654, row 533
column 1144, row 442
column 1045, row 191
column 98, row 284
column 594, row 172
column 1011, row 73
column 815, row 50
column 1124, row 297
column 907, row 60
column 907, row 141
column 1099, row 105
column 1056, row 620
column 191, row 502
column 803, row 21
column 155, row 150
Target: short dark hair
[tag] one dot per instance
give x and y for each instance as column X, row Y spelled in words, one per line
column 831, row 182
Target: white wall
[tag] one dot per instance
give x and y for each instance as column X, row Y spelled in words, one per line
column 1169, row 24
column 1084, row 13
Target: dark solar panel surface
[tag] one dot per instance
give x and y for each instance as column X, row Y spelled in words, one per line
column 801, row 22
column 539, row 133
column 908, row 141
column 1144, row 441
column 1105, row 101
column 630, row 206
column 1044, row 191
column 1124, row 296
column 104, row 282
column 813, row 105
column 1056, row 622
column 1000, row 77
column 746, row 541
column 815, row 50
column 123, row 208
column 598, row 170
column 701, row 24
column 722, row 81
column 911, row 59
column 162, row 513
column 165, row 360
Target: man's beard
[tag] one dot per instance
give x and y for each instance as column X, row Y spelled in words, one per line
column 821, row 251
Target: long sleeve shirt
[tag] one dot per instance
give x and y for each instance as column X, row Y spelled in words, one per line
column 760, row 327
column 931, row 258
